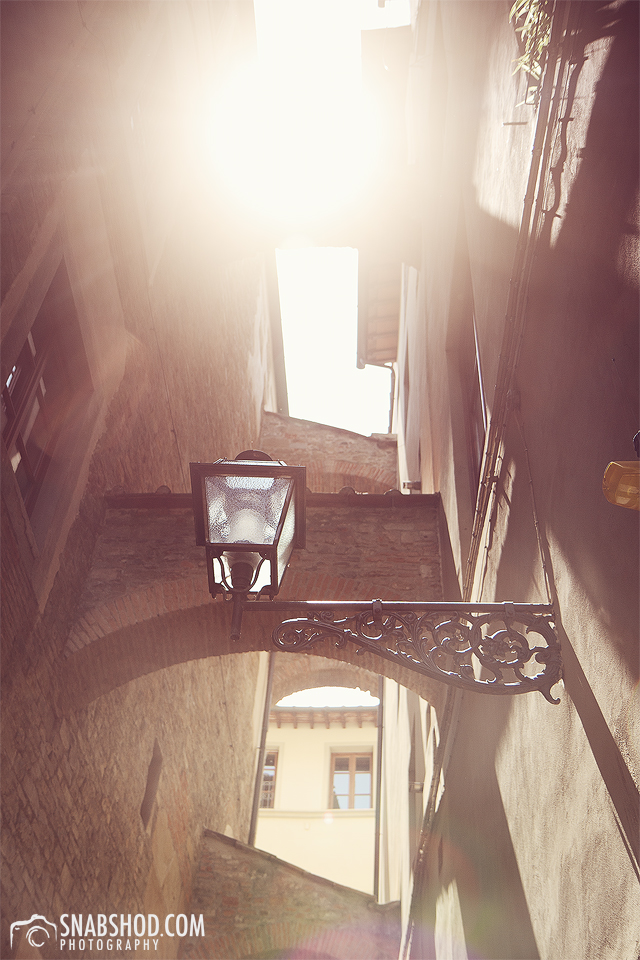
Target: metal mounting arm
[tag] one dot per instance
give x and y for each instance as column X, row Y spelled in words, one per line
column 474, row 646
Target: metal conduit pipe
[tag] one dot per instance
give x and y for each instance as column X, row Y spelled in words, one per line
column 392, row 390
column 376, row 849
column 518, row 286
column 257, row 788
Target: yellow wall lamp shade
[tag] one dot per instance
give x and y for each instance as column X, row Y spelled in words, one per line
column 621, row 484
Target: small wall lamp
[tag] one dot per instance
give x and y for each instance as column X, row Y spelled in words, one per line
column 249, row 515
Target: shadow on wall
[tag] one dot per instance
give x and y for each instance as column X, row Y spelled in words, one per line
column 578, row 379
column 469, row 864
column 578, row 373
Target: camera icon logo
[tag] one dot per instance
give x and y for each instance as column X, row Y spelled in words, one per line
column 38, row 930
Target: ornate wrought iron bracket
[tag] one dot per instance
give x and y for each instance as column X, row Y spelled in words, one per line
column 480, row 647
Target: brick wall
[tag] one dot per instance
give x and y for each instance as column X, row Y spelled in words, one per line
column 73, row 838
column 390, row 541
column 255, row 905
column 334, row 458
column 80, row 719
column 299, row 671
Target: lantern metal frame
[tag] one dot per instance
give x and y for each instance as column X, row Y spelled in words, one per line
column 249, row 464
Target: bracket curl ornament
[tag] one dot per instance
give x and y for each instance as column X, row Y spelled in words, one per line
column 477, row 647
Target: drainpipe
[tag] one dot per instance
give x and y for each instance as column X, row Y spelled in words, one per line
column 257, row 788
column 376, row 851
column 392, row 389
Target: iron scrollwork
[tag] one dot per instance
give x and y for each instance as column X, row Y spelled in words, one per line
column 487, row 651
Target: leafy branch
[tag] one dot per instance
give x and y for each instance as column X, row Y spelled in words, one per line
column 532, row 21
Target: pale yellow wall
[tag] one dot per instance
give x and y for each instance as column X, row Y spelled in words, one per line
column 301, row 829
column 304, row 756
column 336, row 844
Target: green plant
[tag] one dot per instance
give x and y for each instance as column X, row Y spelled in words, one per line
column 532, row 20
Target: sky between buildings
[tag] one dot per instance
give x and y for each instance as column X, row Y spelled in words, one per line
column 330, row 697
column 309, row 54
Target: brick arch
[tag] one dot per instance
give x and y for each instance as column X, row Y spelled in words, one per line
column 169, row 623
column 145, row 605
column 330, row 476
column 302, row 672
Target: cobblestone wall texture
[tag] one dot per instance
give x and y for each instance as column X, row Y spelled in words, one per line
column 255, row 905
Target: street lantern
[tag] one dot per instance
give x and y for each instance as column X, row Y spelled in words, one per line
column 249, row 514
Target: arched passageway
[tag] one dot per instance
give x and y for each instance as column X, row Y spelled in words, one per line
column 146, row 604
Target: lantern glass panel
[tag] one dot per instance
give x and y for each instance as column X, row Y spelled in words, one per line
column 244, row 509
column 285, row 544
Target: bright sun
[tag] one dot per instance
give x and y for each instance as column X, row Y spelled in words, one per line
column 292, row 154
column 296, row 144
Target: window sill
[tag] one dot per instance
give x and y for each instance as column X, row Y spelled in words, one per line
column 316, row 814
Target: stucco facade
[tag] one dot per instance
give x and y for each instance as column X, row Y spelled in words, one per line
column 529, row 275
column 302, row 827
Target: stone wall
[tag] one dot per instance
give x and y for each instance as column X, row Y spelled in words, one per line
column 193, row 358
column 78, row 184
column 391, row 541
column 300, row 671
column 255, row 905
column 73, row 837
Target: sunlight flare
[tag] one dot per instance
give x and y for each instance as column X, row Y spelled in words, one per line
column 291, row 153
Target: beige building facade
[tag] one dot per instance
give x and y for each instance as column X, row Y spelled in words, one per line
column 308, row 825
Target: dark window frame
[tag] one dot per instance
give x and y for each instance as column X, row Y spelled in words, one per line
column 49, row 376
column 268, row 788
column 351, row 758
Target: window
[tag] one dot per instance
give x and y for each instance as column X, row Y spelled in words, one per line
column 351, row 781
column 44, row 381
column 268, row 794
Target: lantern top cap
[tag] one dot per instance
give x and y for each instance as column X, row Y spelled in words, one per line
column 255, row 455
column 244, row 467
